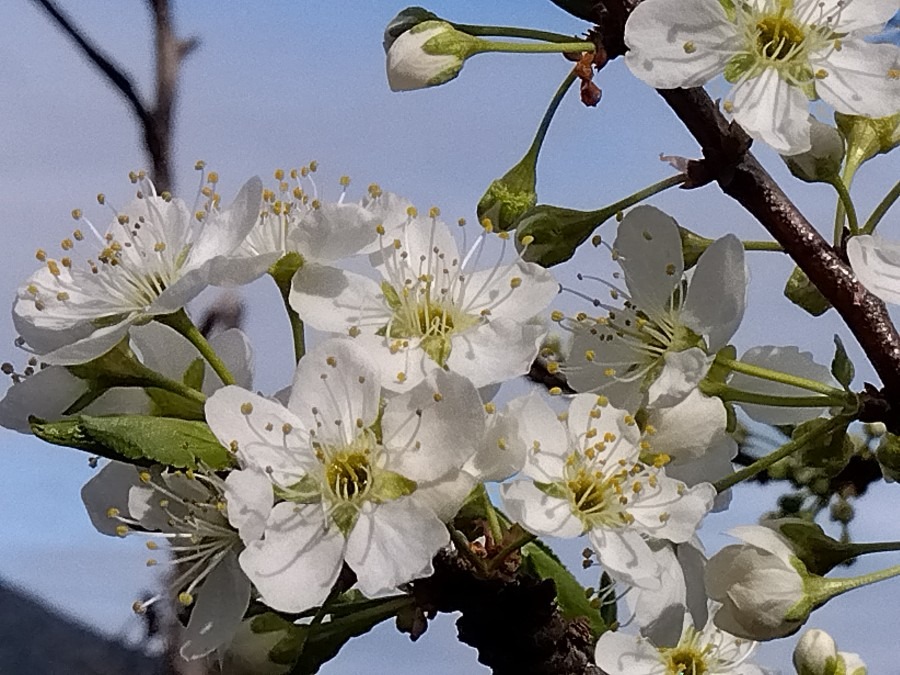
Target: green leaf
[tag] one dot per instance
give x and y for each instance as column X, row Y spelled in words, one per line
column 803, row 293
column 841, row 365
column 132, row 438
column 540, row 561
column 608, row 610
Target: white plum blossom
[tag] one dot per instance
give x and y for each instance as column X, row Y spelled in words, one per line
column 585, row 476
column 186, row 510
column 876, row 263
column 789, row 360
column 432, row 308
column 777, row 54
column 155, row 257
column 707, row 651
column 659, row 344
column 759, row 584
column 336, row 477
column 296, row 220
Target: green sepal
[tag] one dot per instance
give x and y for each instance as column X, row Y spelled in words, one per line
column 391, row 297
column 508, row 198
column 284, row 269
column 841, row 365
column 344, row 515
column 692, row 246
column 803, row 293
column 138, row 439
column 831, row 452
column 738, row 65
column 552, row 489
column 405, row 20
column 819, row 553
column 389, row 485
column 888, row 456
column 437, row 347
column 305, row 491
column 557, row 232
column 609, row 610
column 539, row 560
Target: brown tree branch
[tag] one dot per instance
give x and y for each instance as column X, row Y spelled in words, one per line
column 156, row 120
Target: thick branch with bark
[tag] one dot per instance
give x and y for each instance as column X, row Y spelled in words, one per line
column 156, row 119
column 513, row 623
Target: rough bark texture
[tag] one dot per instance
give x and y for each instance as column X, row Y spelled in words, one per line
column 514, row 623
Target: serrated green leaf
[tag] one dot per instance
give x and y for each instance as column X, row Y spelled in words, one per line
column 541, row 561
column 841, row 365
column 133, row 438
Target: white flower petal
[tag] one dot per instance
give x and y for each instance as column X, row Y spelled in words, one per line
column 625, row 555
column 109, row 489
column 45, row 395
column 619, row 653
column 517, row 291
column 542, row 436
column 333, row 300
column 858, row 80
column 334, row 231
column 773, row 111
column 649, row 250
column 392, row 543
column 250, row 497
column 717, row 293
column 876, row 263
column 335, row 386
column 297, row 563
column 222, row 599
column 433, row 429
column 680, row 376
column 678, row 43
column 539, row 512
column 495, row 351
column 224, row 232
column 88, row 348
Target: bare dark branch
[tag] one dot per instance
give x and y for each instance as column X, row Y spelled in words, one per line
column 112, row 71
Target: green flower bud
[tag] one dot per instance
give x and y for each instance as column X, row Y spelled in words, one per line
column 508, row 198
column 548, row 235
column 428, row 54
column 852, row 664
column 822, row 162
column 867, row 137
column 816, row 654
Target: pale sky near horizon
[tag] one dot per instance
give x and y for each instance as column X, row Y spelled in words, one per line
column 277, row 84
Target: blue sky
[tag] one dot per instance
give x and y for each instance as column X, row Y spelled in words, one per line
column 281, row 83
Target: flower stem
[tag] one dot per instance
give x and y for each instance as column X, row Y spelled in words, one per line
column 785, row 450
column 881, row 209
column 875, row 547
column 548, row 115
column 846, row 206
column 511, row 31
column 531, row 48
column 639, row 196
column 845, row 180
column 297, row 330
column 778, row 376
column 762, row 246
column 824, row 589
column 154, row 379
column 182, row 324
column 727, row 393
column 490, row 515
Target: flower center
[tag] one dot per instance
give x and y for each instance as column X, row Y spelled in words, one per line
column 777, row 37
column 686, row 660
column 349, row 475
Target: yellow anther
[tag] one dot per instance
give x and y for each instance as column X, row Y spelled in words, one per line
column 279, row 174
column 144, row 476
column 555, row 391
column 151, row 545
column 661, row 460
column 437, row 397
column 729, row 106
column 553, row 367
column 501, row 443
column 286, row 428
column 375, row 190
column 412, row 211
column 629, row 420
column 490, row 408
column 589, row 355
column 151, row 562
column 121, row 530
column 689, row 47
column 246, row 408
column 591, row 433
column 894, row 74
column 354, row 331
column 664, row 517
column 527, row 240
column 401, row 377
column 609, row 372
column 379, row 229
column 112, row 512
column 76, row 214
column 487, row 224
column 138, row 607
column 670, row 269
column 650, row 430
column 67, row 244
column 344, row 181
column 644, row 445
column 62, row 296
column 331, row 361
column 821, row 74
column 41, row 255
column 515, row 282
column 557, row 316
column 609, row 437
column 434, row 212
column 159, row 246
column 101, row 198
column 313, row 166
column 186, row 598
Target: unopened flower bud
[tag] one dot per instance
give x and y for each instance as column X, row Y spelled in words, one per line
column 508, row 198
column 428, row 54
column 816, row 654
column 557, row 232
column 888, row 456
column 822, row 162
